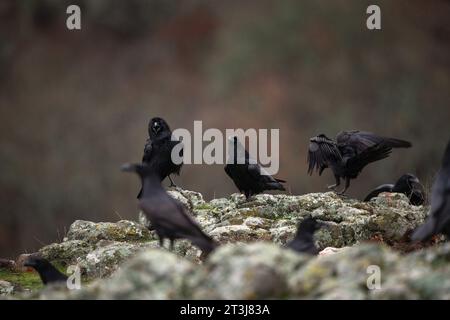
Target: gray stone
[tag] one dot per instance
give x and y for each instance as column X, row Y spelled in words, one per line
column 123, row 230
column 108, row 256
column 251, row 262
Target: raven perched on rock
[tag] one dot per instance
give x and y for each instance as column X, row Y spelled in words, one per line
column 438, row 220
column 158, row 150
column 407, row 184
column 47, row 272
column 303, row 241
column 167, row 215
column 351, row 152
column 246, row 174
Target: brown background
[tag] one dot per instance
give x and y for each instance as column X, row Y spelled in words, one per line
column 75, row 105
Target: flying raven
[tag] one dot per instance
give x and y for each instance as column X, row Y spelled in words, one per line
column 158, row 150
column 47, row 272
column 304, row 238
column 245, row 172
column 168, row 216
column 351, row 152
column 438, row 220
column 407, row 184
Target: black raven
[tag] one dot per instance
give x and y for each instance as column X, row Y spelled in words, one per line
column 158, row 150
column 246, row 173
column 438, row 220
column 47, row 272
column 167, row 216
column 304, row 238
column 351, row 152
column 407, row 184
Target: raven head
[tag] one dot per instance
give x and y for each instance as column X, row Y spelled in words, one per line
column 406, row 183
column 309, row 226
column 158, row 126
column 36, row 263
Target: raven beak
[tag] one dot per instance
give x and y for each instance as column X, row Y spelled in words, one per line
column 127, row 167
column 156, row 127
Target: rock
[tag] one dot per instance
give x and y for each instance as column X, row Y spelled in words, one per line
column 342, row 275
column 190, row 199
column 421, row 275
column 152, row 274
column 52, row 291
column 251, row 262
column 330, row 250
column 66, row 252
column 256, row 271
column 257, row 223
column 108, row 255
column 241, row 233
column 348, row 221
column 184, row 248
column 143, row 220
column 6, row 288
column 267, row 271
column 123, row 230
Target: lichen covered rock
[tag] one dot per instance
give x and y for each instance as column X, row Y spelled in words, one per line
column 256, row 271
column 66, row 252
column 107, row 257
column 267, row 271
column 123, row 230
column 6, row 288
column 152, row 274
column 251, row 262
column 275, row 218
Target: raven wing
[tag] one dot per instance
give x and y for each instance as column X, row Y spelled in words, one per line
column 361, row 140
column 260, row 174
column 371, row 154
column 170, row 214
column 321, row 151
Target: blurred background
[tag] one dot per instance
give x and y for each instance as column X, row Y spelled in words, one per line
column 74, row 105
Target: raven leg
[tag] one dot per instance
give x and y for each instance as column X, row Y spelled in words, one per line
column 347, row 185
column 171, row 244
column 338, row 183
column 171, row 182
column 161, row 242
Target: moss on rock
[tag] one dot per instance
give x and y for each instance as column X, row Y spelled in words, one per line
column 251, row 262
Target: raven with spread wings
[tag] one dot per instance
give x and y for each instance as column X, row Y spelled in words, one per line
column 352, row 151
